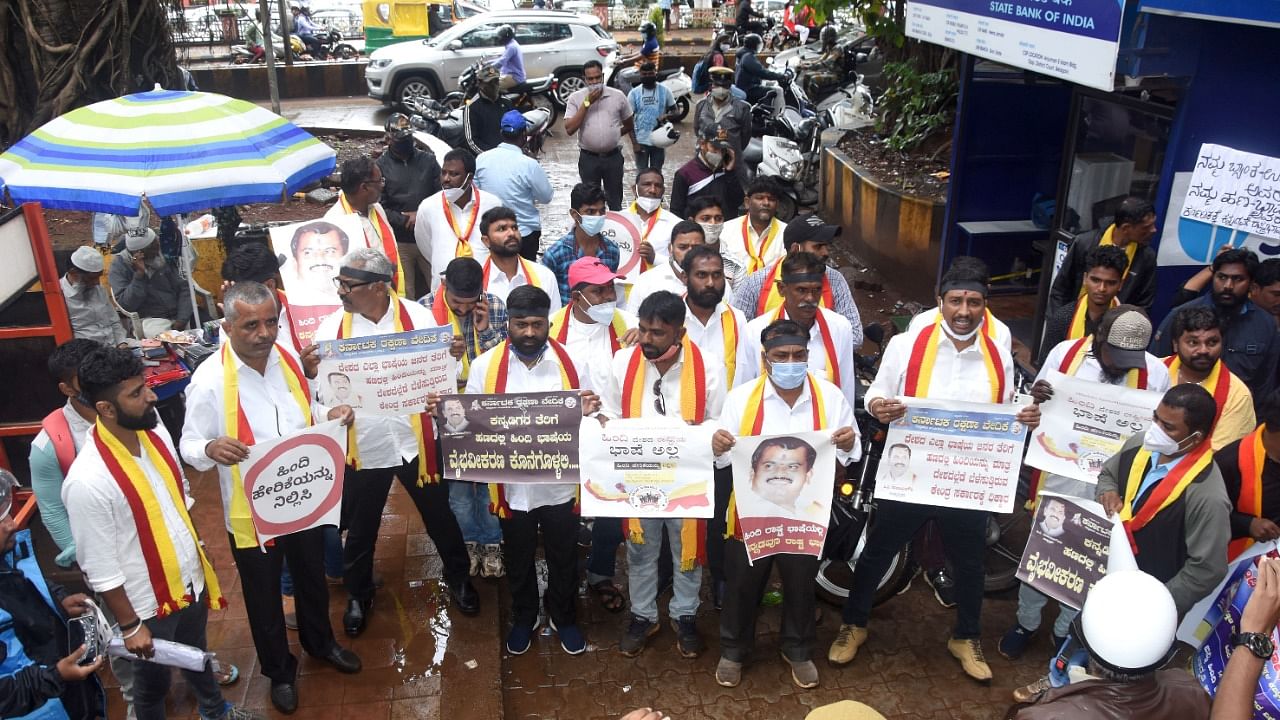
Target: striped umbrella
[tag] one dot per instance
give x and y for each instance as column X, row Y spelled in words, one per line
column 183, row 151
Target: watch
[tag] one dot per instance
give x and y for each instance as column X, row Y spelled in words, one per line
column 1257, row 643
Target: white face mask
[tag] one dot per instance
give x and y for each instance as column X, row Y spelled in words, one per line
column 602, row 312
column 965, row 337
column 712, row 232
column 1158, row 442
column 648, row 204
column 453, row 195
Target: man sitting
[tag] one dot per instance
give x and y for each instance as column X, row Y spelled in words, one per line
column 144, row 282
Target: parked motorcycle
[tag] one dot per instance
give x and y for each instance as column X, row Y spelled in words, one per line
column 675, row 80
column 334, row 47
column 447, row 125
column 782, row 99
column 531, row 94
column 761, row 27
column 242, row 54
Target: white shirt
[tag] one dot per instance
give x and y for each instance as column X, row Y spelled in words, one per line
column 732, row 247
column 381, row 441
column 268, row 405
column 710, row 338
column 588, row 342
column 1157, row 374
column 371, row 237
column 611, row 378
column 782, row 418
column 436, row 238
column 106, row 533
column 660, row 236
column 999, row 331
column 661, row 277
column 841, row 340
column 958, row 375
column 544, row 376
column 501, row 286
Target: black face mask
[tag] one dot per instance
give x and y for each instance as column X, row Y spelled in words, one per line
column 403, row 145
column 649, row 82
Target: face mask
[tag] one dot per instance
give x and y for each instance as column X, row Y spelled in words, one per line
column 402, row 146
column 649, row 82
column 1158, row 442
column 602, row 313
column 591, row 224
column 789, row 375
column 712, row 232
column 719, row 94
column 724, row 47
column 453, row 195
column 595, row 87
column 648, row 204
column 965, row 337
column 713, row 159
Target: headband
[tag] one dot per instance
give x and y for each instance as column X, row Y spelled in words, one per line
column 803, row 277
column 780, row 340
column 975, row 286
column 359, row 274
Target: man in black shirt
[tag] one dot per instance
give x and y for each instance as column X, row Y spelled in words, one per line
column 482, row 117
column 1132, row 230
column 1250, row 470
column 411, row 175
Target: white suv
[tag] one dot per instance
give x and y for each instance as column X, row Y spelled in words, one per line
column 552, row 43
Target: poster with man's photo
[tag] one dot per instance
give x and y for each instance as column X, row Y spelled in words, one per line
column 312, row 252
column 388, row 374
column 1067, row 549
column 782, row 486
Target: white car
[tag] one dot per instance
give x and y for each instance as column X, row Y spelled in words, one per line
column 552, row 42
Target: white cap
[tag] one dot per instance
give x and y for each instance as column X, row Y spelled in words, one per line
column 8, row 483
column 1128, row 622
column 87, row 259
column 139, row 238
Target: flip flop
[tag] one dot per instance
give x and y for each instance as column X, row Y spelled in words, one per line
column 610, row 596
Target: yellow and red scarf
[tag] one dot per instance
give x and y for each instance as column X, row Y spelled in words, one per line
column 693, row 410
column 530, row 275
column 755, row 258
column 1218, row 382
column 444, row 315
column 729, row 334
column 238, row 428
column 385, row 236
column 1167, row 490
column 154, row 537
column 828, row 344
column 293, row 332
column 645, row 232
column 1252, row 458
column 428, row 464
column 560, row 327
column 753, row 423
column 924, row 354
column 1130, row 251
column 1078, row 318
column 463, row 248
column 1135, row 378
column 770, row 298
column 495, row 382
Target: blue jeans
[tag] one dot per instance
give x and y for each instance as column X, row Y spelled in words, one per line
column 649, row 156
column 1031, row 604
column 470, row 505
column 332, row 560
column 642, row 572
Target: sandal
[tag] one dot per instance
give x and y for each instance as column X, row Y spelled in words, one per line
column 610, row 596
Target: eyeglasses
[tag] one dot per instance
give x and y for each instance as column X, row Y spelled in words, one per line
column 379, row 182
column 658, row 403
column 347, row 286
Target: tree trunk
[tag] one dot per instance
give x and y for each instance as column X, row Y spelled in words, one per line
column 57, row 55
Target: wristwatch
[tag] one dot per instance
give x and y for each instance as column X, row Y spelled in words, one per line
column 1257, row 643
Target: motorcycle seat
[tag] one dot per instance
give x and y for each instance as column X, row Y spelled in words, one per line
column 664, row 74
column 531, row 85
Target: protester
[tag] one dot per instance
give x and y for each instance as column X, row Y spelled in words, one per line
column 1266, row 287
column 381, row 449
column 1104, row 268
column 88, row 307
column 264, row 382
column 1250, row 469
column 708, row 212
column 584, row 239
column 1197, row 358
column 143, row 282
column 517, row 179
column 1233, row 699
column 709, row 174
column 255, row 262
column 786, row 398
column 504, row 270
column 650, row 103
column 1132, row 229
column 647, row 214
column 410, row 176
column 755, row 239
column 362, row 185
column 128, row 503
column 447, row 224
column 720, row 108
column 600, row 116
column 667, row 275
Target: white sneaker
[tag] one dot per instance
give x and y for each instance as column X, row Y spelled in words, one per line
column 491, row 561
column 473, row 554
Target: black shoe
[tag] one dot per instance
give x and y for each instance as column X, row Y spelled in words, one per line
column 717, row 594
column 357, row 616
column 584, row 536
column 343, row 659
column 284, row 696
column 465, row 597
column 944, row 589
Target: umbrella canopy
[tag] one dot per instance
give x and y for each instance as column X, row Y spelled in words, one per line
column 184, row 151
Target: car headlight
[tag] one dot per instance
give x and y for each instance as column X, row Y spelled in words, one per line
column 379, row 63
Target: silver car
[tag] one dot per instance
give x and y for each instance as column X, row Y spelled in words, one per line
column 552, row 42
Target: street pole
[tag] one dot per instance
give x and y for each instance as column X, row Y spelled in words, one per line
column 267, row 42
column 286, row 33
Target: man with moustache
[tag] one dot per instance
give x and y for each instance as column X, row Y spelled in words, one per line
column 900, row 475
column 91, row 314
column 1197, row 358
column 781, row 471
column 447, row 224
column 316, row 248
column 708, row 211
column 478, row 320
column 505, row 269
column 1132, row 229
column 667, row 275
column 755, row 240
column 1055, row 515
column 361, row 188
column 647, row 214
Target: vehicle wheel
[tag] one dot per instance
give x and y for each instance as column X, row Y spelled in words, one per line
column 453, row 100
column 786, row 208
column 413, row 88
column 346, row 52
column 1006, row 539
column 835, row 578
column 681, row 111
column 568, row 84
column 547, row 103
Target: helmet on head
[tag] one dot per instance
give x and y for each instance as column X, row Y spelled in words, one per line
column 648, row 29
column 487, row 74
column 506, row 33
column 828, row 34
column 1128, row 622
column 752, row 42
column 398, row 125
column 664, row 136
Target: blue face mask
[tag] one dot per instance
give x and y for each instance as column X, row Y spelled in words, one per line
column 591, row 224
column 788, row 375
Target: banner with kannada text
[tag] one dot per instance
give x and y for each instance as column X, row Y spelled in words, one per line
column 647, row 467
column 1067, row 550
column 388, row 374
column 782, row 489
column 511, row 437
column 312, row 251
column 294, row 483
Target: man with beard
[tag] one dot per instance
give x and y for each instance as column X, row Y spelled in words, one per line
column 1103, row 275
column 411, row 175
column 128, row 503
column 1132, row 229
column 362, row 185
column 260, row 381
column 1249, row 335
column 1197, row 358
column 88, row 308
column 667, row 275
column 448, row 222
column 504, row 269
column 529, row 361
column 478, row 319
column 482, row 117
column 754, row 241
column 832, row 341
column 666, row 375
column 143, row 282
column 316, row 248
column 382, row 449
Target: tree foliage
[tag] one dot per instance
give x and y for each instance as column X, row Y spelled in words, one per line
column 57, row 55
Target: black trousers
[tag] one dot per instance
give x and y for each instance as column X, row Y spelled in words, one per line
column 559, row 526
column 260, row 581
column 603, row 170
column 716, row 525
column 151, row 680
column 744, row 587
column 964, row 541
column 529, row 245
column 364, row 495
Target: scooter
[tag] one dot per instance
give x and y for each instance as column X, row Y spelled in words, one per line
column 791, row 158
column 531, row 94
column 447, row 126
column 242, row 54
column 783, row 100
column 675, row 80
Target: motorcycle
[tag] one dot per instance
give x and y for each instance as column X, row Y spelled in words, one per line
column 782, row 99
column 790, row 153
column 434, row 121
column 761, row 27
column 241, row 54
column 334, row 47
column 531, row 94
column 779, row 38
column 675, row 80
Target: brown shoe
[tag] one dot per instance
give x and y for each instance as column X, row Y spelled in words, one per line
column 845, row 647
column 728, row 672
column 1029, row 693
column 969, row 653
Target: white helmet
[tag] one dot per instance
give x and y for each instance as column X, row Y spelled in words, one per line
column 8, row 484
column 1128, row 622
column 664, row 136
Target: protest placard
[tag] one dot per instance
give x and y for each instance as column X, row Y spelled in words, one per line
column 1208, row 613
column 1235, row 189
column 782, row 488
column 387, row 374
column 647, row 467
column 511, row 437
column 1084, row 423
column 312, row 252
column 621, row 230
column 294, row 483
column 1067, row 549
column 954, row 454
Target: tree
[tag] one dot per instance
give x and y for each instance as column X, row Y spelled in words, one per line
column 57, row 55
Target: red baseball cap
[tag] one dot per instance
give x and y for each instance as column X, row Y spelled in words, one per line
column 590, row 271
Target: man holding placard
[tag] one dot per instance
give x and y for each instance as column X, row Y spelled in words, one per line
column 382, row 448
column 1197, row 358
column 665, row 375
column 1250, row 468
column 955, row 358
column 253, row 390
column 787, row 398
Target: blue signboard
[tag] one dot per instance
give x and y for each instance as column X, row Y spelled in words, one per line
column 1250, row 12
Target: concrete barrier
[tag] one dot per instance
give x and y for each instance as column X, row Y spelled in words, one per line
column 898, row 235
